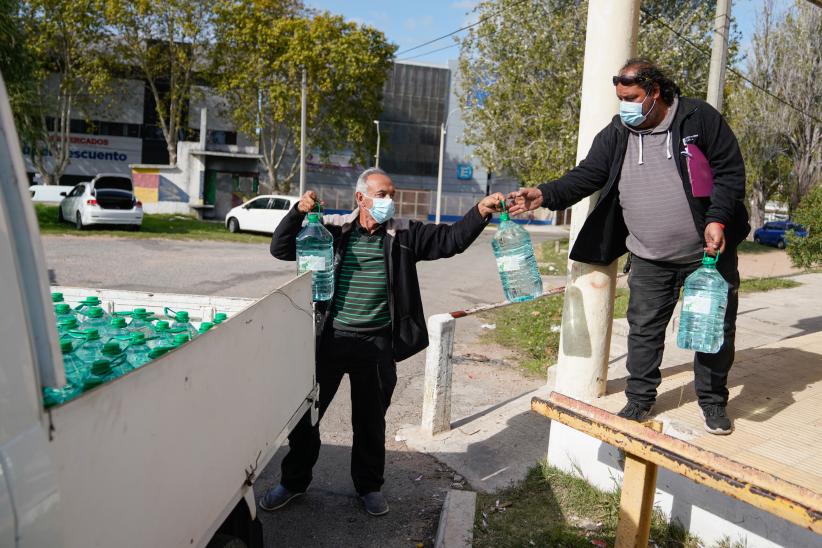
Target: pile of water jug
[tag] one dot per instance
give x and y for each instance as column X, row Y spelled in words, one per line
column 98, row 347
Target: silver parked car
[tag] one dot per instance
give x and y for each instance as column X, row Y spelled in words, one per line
column 108, row 199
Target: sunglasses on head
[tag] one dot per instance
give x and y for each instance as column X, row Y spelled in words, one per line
column 628, row 80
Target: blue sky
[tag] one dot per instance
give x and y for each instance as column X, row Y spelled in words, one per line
column 410, row 23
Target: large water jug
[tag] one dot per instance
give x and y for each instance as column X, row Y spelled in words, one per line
column 705, row 298
column 141, row 322
column 90, row 345
column 181, row 323
column 95, row 318
column 116, row 355
column 516, row 263
column 62, row 311
column 115, row 328
column 87, row 304
column 66, row 326
column 76, row 373
column 138, row 351
column 162, row 335
column 315, row 253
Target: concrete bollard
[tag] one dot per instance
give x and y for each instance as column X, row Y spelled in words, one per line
column 436, row 403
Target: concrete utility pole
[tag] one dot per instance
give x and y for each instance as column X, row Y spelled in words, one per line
column 303, row 101
column 719, row 54
column 439, row 175
column 377, row 155
column 585, row 338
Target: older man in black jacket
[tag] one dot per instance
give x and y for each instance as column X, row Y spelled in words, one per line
column 374, row 320
column 648, row 207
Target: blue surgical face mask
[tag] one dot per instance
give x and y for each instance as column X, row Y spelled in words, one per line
column 631, row 113
column 382, row 209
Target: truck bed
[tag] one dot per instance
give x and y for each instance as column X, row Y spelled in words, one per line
column 160, row 456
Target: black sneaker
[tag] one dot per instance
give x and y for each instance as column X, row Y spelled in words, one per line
column 375, row 503
column 276, row 498
column 635, row 411
column 716, row 420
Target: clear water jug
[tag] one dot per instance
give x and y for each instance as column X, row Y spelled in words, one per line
column 95, row 318
column 315, row 253
column 138, row 351
column 181, row 323
column 704, row 300
column 516, row 263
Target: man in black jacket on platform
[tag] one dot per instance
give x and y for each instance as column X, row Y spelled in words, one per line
column 374, row 320
column 647, row 208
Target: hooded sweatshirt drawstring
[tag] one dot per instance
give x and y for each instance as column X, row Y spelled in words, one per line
column 667, row 146
column 668, row 153
column 641, row 135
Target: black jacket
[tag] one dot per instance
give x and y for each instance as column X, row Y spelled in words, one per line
column 405, row 242
column 602, row 237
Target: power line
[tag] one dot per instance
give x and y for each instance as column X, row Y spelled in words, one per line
column 729, row 68
column 428, row 52
column 466, row 27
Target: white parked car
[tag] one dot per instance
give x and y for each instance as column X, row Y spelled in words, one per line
column 108, row 199
column 48, row 193
column 260, row 214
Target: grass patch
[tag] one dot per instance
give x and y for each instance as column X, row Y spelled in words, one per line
column 532, row 329
column 755, row 285
column 753, row 248
column 554, row 508
column 178, row 227
column 552, row 257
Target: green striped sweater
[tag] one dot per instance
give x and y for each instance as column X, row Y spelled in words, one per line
column 361, row 294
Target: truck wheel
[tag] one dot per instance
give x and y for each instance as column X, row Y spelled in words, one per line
column 780, row 244
column 226, row 541
column 233, row 225
column 78, row 222
column 758, row 240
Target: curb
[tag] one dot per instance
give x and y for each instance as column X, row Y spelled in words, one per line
column 456, row 527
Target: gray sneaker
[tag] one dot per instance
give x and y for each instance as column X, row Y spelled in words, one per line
column 375, row 503
column 276, row 498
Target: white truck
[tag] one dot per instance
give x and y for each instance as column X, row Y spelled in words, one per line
column 164, row 456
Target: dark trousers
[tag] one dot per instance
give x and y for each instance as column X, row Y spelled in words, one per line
column 655, row 288
column 368, row 360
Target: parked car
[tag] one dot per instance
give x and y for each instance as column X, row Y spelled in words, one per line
column 773, row 233
column 108, row 199
column 260, row 214
column 48, row 193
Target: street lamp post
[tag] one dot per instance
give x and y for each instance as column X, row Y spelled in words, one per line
column 443, row 132
column 377, row 155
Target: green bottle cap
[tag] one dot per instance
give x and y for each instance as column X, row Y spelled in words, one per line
column 181, row 338
column 504, row 215
column 138, row 338
column 313, row 217
column 158, row 351
column 140, row 313
column 66, row 347
column 62, row 309
column 220, row 317
column 205, row 326
column 67, row 323
column 118, row 322
column 111, row 348
column 162, row 325
column 101, row 367
column 708, row 260
column 92, row 335
column 94, row 312
column 56, row 297
column 92, row 300
column 181, row 316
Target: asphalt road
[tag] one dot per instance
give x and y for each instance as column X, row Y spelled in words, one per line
column 330, row 514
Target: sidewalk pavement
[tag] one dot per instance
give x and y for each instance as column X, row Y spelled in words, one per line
column 496, row 447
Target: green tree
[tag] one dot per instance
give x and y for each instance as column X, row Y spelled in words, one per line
column 168, row 42
column 68, row 69
column 757, row 122
column 17, row 67
column 261, row 49
column 798, row 52
column 522, row 68
column 807, row 252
